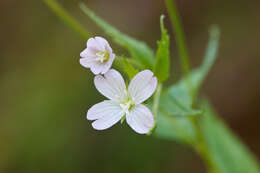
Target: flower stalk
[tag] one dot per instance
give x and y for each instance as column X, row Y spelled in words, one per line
column 180, row 39
column 156, row 102
column 199, row 144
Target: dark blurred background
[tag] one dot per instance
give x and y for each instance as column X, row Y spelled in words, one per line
column 45, row 92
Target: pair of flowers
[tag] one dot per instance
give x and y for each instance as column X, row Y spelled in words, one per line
column 124, row 102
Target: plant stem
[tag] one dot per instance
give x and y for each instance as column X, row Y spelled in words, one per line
column 156, row 101
column 181, row 44
column 200, row 144
column 67, row 18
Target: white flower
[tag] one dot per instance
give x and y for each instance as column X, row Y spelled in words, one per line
column 123, row 101
column 98, row 55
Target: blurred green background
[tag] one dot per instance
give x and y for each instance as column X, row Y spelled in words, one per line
column 45, row 93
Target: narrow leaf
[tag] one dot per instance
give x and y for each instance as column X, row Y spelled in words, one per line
column 225, row 149
column 162, row 63
column 209, row 58
column 181, row 43
column 128, row 68
column 177, row 101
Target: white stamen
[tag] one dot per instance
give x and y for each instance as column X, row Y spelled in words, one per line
column 101, row 56
column 126, row 106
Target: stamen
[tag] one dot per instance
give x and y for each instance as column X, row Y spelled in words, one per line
column 127, row 106
column 102, row 56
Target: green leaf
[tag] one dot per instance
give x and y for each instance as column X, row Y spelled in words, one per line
column 137, row 49
column 225, row 149
column 178, row 103
column 179, row 36
column 128, row 68
column 162, row 63
column 179, row 129
column 174, row 114
column 125, row 65
column 209, row 58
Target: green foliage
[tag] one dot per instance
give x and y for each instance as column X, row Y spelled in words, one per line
column 124, row 64
column 162, row 63
column 177, row 101
column 138, row 50
column 128, row 68
column 209, row 58
column 179, row 35
column 225, row 150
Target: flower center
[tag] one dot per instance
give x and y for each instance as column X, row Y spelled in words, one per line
column 102, row 56
column 127, row 105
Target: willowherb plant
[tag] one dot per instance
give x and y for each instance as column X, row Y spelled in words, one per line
column 175, row 114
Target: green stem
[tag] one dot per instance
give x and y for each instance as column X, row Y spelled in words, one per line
column 180, row 39
column 200, row 144
column 67, row 18
column 156, row 102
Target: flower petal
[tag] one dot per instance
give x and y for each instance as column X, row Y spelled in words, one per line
column 140, row 119
column 88, row 52
column 106, row 114
column 94, row 44
column 102, row 42
column 87, row 62
column 98, row 110
column 112, row 85
column 142, row 86
column 97, row 68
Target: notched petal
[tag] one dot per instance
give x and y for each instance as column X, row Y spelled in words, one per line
column 142, row 86
column 105, row 114
column 140, row 119
column 112, row 85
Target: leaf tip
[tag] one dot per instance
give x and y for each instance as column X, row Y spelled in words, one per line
column 214, row 31
column 161, row 21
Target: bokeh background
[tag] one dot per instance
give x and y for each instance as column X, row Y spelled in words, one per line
column 44, row 92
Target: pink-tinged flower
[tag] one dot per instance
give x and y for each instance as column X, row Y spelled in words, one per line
column 124, row 102
column 98, row 55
